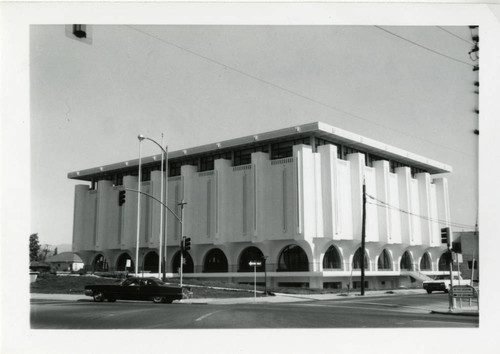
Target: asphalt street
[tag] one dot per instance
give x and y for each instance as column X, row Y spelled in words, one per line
column 396, row 311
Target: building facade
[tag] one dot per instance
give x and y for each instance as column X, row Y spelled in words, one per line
column 293, row 197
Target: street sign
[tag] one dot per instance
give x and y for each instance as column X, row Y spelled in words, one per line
column 463, row 291
column 254, row 264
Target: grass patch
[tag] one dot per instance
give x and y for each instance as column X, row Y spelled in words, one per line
column 75, row 284
column 53, row 284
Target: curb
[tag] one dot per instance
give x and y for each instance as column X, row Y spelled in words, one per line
column 456, row 313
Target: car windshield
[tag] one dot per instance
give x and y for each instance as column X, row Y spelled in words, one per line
column 137, row 281
column 130, row 282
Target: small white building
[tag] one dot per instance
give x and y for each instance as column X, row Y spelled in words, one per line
column 65, row 262
column 293, row 196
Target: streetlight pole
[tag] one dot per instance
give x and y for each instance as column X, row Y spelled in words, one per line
column 140, row 137
column 363, row 237
column 161, row 213
column 165, row 230
column 163, row 197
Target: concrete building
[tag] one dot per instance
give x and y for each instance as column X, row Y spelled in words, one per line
column 293, row 196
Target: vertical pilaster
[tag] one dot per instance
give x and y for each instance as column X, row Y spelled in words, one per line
column 424, row 194
column 188, row 175
column 259, row 162
column 155, row 191
column 357, row 162
column 129, row 214
column 404, row 179
column 221, row 171
column 81, row 225
column 329, row 183
column 383, row 193
column 104, row 193
column 442, row 201
column 306, row 192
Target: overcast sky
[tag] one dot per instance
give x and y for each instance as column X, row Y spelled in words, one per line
column 203, row 84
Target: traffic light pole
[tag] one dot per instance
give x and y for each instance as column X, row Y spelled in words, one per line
column 166, row 207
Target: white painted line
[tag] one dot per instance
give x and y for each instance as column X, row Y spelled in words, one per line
column 205, row 316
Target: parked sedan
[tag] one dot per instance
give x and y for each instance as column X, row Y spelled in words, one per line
column 136, row 289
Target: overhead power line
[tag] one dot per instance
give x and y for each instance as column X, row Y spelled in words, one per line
column 439, row 221
column 454, row 35
column 426, row 48
column 288, row 90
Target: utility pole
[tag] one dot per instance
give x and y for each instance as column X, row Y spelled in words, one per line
column 182, row 203
column 363, row 236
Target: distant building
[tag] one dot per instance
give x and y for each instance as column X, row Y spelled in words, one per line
column 469, row 245
column 65, row 261
column 293, row 196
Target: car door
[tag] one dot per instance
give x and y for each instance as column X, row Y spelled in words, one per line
column 128, row 290
column 148, row 289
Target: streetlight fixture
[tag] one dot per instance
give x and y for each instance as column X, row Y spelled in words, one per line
column 164, row 157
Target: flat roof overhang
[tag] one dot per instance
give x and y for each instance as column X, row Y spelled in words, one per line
column 318, row 129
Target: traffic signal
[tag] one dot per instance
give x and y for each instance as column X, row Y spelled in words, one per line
column 121, row 198
column 445, row 235
column 187, row 244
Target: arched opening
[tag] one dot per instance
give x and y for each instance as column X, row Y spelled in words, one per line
column 293, row 259
column 384, row 261
column 357, row 259
column 215, row 262
column 332, row 259
column 250, row 254
column 121, row 263
column 425, row 262
column 406, row 262
column 445, row 261
column 188, row 266
column 151, row 262
column 100, row 264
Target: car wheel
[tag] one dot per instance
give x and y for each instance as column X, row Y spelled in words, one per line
column 98, row 296
column 158, row 299
column 429, row 291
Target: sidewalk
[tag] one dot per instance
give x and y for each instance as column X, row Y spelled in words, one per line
column 286, row 298
column 277, row 298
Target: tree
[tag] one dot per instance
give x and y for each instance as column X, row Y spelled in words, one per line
column 34, row 247
column 55, row 252
column 43, row 253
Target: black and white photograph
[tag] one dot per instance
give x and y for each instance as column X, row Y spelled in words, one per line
column 204, row 173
